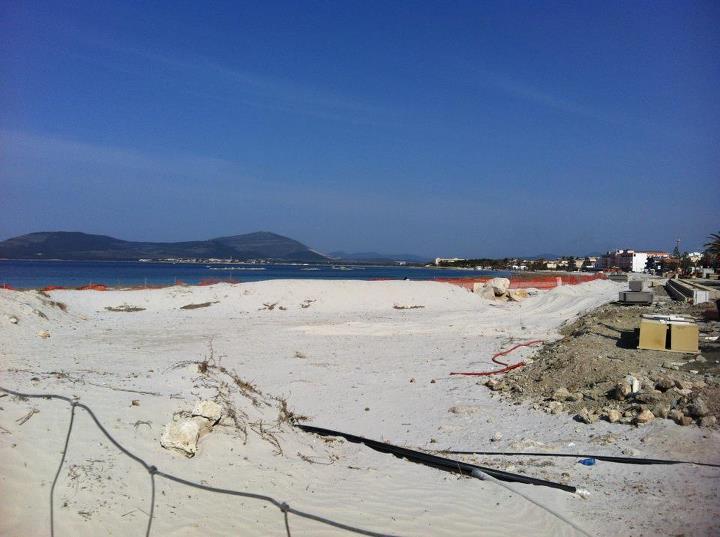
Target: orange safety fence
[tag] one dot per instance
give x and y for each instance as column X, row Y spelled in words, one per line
column 525, row 281
column 93, row 287
column 517, row 281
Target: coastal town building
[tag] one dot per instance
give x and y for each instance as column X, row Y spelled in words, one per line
column 445, row 260
column 627, row 260
column 657, row 254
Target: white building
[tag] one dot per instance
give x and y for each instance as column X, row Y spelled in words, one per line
column 439, row 260
column 626, row 260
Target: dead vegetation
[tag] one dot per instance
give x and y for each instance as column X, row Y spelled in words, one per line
column 46, row 299
column 228, row 384
column 311, row 459
column 22, row 420
column 413, row 307
column 125, row 308
column 197, row 306
column 288, row 416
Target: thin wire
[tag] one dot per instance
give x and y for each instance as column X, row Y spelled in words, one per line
column 152, row 502
column 606, row 458
column 57, row 474
column 153, row 471
column 482, row 475
column 276, row 503
column 284, row 508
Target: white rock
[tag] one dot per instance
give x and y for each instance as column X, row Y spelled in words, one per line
column 499, row 285
column 583, row 493
column 13, row 319
column 644, row 417
column 208, row 409
column 484, row 292
column 517, row 295
column 633, row 383
column 183, row 435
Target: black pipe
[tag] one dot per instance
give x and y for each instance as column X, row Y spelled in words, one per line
column 442, row 463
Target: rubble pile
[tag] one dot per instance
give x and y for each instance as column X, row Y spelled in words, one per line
column 596, row 372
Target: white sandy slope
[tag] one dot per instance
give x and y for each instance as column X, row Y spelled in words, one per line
column 342, row 354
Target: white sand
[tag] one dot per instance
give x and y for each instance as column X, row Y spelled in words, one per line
column 346, row 361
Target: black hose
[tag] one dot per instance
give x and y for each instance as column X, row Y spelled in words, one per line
column 606, row 458
column 442, row 463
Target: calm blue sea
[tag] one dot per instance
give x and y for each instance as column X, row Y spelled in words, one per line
column 32, row 274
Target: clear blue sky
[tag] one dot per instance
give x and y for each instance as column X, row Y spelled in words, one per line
column 437, row 128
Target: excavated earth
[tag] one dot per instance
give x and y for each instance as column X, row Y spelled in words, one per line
column 597, row 372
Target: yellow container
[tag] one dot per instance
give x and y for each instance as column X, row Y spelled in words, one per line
column 653, row 334
column 684, row 337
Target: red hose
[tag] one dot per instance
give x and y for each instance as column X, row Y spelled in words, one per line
column 507, row 367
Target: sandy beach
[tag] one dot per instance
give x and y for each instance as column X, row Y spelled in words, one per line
column 368, row 358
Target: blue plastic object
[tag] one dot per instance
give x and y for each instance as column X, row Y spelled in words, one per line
column 587, row 462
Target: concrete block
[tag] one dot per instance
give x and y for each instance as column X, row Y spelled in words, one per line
column 637, row 285
column 636, row 297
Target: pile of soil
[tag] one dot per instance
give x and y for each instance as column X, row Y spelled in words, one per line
column 597, row 372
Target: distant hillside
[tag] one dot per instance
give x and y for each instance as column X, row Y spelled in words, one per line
column 370, row 257
column 81, row 246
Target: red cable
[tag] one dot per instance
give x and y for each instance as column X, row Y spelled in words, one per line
column 507, row 366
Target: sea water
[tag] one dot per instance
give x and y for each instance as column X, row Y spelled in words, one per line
column 22, row 274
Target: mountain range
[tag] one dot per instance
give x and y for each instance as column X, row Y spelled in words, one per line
column 82, row 246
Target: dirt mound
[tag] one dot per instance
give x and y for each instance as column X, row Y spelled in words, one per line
column 596, row 371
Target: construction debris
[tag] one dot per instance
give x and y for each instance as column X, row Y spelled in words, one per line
column 598, row 372
column 183, row 433
column 499, row 289
column 688, row 291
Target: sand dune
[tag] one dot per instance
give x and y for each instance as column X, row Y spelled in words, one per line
column 350, row 355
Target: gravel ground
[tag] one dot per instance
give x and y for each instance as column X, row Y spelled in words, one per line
column 590, row 371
